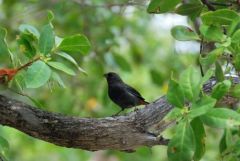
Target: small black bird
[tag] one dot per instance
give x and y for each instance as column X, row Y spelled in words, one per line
column 122, row 94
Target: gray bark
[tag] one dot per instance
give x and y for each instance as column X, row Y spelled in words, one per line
column 140, row 128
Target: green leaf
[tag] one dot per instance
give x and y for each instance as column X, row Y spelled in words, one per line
column 76, row 43
column 46, row 40
column 157, row 77
column 29, row 29
column 236, row 61
column 190, row 81
column 122, row 62
column 50, row 15
column 236, row 37
column 26, row 44
column 190, row 9
column 58, row 79
column 199, row 133
column 220, row 89
column 223, row 144
column 236, row 91
column 161, row 6
column 221, row 118
column 182, row 146
column 62, row 67
column 233, row 26
column 219, row 17
column 174, row 114
column 72, row 60
column 175, row 94
column 37, row 75
column 183, row 33
column 219, row 72
column 201, row 107
column 3, row 44
column 4, row 148
column 211, row 57
column 207, row 76
column 212, row 33
column 20, row 80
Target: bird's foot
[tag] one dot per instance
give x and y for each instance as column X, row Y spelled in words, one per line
column 136, row 109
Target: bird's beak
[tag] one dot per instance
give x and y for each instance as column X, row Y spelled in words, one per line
column 105, row 75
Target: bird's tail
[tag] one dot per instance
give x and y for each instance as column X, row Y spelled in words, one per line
column 143, row 102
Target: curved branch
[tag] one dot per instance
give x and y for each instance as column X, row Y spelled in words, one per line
column 119, row 133
column 138, row 128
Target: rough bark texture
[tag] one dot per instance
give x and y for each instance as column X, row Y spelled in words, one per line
column 138, row 128
column 120, row 133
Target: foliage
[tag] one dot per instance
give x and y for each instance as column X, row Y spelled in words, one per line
column 40, row 58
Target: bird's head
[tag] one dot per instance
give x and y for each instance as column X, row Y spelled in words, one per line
column 112, row 77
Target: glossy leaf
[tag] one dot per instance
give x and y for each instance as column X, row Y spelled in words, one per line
column 199, row 133
column 221, row 118
column 220, row 89
column 212, row 33
column 174, row 114
column 190, row 9
column 46, row 40
column 183, row 33
column 37, row 75
column 62, row 67
column 236, row 61
column 190, row 81
column 219, row 17
column 30, row 29
column 211, row 57
column 236, row 37
column 182, row 146
column 58, row 79
column 26, row 44
column 72, row 60
column 223, row 144
column 235, row 91
column 201, row 107
column 76, row 43
column 219, row 72
column 122, row 62
column 3, row 45
column 50, row 15
column 161, row 6
column 175, row 94
column 157, row 77
column 207, row 76
column 4, row 148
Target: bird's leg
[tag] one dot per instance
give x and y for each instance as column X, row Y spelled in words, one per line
column 135, row 109
column 118, row 112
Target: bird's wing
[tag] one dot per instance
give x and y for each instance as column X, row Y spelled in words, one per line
column 133, row 91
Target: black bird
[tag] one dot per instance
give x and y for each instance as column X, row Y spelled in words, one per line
column 122, row 94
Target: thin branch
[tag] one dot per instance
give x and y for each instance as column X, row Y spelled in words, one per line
column 221, row 4
column 83, row 4
column 28, row 64
column 209, row 5
column 201, row 50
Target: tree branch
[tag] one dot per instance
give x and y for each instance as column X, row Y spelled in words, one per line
column 119, row 133
column 209, row 5
column 139, row 128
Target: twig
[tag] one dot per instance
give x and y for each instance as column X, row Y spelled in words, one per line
column 209, row 5
column 221, row 4
column 28, row 64
column 201, row 50
column 82, row 4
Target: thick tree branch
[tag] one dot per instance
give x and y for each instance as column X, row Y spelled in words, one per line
column 120, row 133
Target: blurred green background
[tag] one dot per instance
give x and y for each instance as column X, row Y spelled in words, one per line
column 125, row 39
